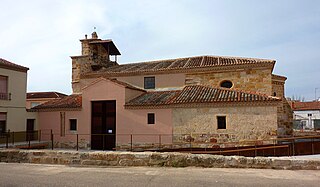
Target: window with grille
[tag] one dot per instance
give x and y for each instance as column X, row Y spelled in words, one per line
column 149, row 83
column 73, row 124
column 151, row 118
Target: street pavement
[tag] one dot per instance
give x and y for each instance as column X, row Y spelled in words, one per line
column 17, row 174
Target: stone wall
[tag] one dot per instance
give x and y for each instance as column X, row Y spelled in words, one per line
column 80, row 65
column 99, row 158
column 278, row 89
column 285, row 119
column 244, row 123
column 255, row 80
column 285, row 113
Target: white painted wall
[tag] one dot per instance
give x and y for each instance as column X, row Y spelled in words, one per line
column 16, row 107
column 308, row 120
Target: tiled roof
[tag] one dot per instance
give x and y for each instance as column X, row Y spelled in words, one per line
column 40, row 95
column 154, row 98
column 109, row 45
column 313, row 105
column 197, row 94
column 183, row 64
column 71, row 101
column 9, row 65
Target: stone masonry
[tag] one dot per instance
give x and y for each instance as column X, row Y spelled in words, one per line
column 255, row 80
column 99, row 158
column 244, row 123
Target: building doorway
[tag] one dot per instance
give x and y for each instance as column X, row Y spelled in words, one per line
column 103, row 125
column 30, row 130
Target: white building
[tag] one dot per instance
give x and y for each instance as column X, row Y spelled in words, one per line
column 13, row 84
column 306, row 115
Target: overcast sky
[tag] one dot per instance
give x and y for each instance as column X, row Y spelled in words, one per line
column 42, row 35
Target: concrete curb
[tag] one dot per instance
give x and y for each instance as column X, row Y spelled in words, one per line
column 102, row 158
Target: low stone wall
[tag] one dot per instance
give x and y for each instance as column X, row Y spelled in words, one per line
column 83, row 144
column 100, row 158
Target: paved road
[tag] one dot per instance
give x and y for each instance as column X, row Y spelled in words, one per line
column 56, row 175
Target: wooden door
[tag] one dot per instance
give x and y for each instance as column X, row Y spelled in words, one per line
column 103, row 125
column 30, row 130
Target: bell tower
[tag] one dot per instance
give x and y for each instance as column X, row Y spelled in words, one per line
column 95, row 57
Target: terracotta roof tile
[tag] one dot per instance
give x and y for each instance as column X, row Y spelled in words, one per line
column 182, row 64
column 71, row 101
column 313, row 105
column 39, row 95
column 197, row 94
column 154, row 98
column 9, row 65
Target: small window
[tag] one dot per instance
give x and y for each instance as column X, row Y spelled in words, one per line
column 309, row 115
column 149, row 83
column 73, row 124
column 151, row 118
column 226, row 84
column 274, row 94
column 221, row 120
column 34, row 104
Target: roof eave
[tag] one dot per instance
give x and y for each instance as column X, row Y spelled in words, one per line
column 20, row 69
column 55, row 109
column 198, row 105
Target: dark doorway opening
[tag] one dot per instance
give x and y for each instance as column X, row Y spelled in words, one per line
column 30, row 130
column 103, row 125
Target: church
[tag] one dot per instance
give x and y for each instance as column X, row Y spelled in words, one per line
column 207, row 100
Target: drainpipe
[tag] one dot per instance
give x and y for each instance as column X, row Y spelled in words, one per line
column 310, row 121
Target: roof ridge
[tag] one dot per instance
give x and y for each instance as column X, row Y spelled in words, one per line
column 199, row 56
column 194, row 63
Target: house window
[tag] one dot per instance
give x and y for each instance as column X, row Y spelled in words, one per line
column 151, row 118
column 33, row 104
column 149, row 83
column 226, row 84
column 222, row 123
column 3, row 122
column 73, row 124
column 297, row 124
column 4, row 88
column 316, row 124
